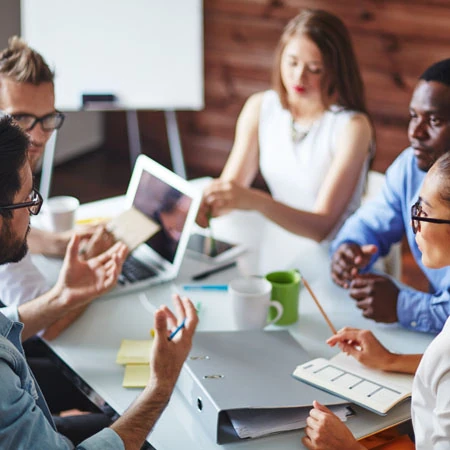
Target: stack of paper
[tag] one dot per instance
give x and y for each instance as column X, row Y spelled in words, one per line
column 253, row 423
column 135, row 356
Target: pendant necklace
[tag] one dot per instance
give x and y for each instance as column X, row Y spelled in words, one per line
column 298, row 133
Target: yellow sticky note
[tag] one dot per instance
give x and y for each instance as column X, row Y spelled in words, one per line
column 134, row 352
column 136, row 375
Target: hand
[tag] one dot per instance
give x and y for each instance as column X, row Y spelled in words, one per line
column 377, row 296
column 363, row 346
column 96, row 241
column 325, row 431
column 81, row 281
column 223, row 196
column 348, row 259
column 203, row 214
column 167, row 357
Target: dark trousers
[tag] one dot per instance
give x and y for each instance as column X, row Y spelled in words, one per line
column 62, row 395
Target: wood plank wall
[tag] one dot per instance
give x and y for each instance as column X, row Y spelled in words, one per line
column 395, row 40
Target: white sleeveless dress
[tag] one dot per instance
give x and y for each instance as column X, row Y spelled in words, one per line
column 294, row 172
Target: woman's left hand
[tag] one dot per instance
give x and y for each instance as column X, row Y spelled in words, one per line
column 325, row 431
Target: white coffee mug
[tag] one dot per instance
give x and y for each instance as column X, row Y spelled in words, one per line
column 59, row 213
column 250, row 300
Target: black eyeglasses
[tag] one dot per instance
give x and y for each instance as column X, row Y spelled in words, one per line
column 49, row 122
column 416, row 217
column 34, row 204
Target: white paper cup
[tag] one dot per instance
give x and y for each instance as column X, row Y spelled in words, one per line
column 250, row 300
column 59, row 213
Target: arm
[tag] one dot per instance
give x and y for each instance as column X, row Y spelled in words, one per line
column 422, row 311
column 166, row 361
column 78, row 284
column 378, row 222
column 367, row 349
column 48, row 243
column 342, row 177
column 243, row 163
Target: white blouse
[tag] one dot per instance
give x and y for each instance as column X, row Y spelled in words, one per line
column 430, row 408
column 295, row 171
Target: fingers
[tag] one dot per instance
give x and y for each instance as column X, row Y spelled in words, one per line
column 369, row 249
column 344, row 335
column 72, row 248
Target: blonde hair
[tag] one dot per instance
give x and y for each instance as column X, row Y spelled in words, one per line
column 22, row 64
column 342, row 76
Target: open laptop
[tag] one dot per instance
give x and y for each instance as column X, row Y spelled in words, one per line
column 166, row 199
column 172, row 203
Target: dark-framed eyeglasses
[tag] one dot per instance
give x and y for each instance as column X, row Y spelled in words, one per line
column 417, row 217
column 49, row 122
column 34, row 204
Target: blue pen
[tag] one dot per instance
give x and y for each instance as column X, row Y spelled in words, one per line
column 205, row 287
column 177, row 329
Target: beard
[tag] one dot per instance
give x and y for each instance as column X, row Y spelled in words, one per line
column 12, row 248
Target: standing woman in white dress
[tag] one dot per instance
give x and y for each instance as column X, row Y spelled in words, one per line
column 310, row 135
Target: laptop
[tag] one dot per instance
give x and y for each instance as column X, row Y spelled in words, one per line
column 171, row 202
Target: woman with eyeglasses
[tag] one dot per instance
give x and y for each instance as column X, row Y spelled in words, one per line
column 430, row 409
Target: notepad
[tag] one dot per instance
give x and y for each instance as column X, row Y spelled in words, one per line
column 133, row 228
column 375, row 390
column 135, row 355
column 134, row 352
column 136, row 375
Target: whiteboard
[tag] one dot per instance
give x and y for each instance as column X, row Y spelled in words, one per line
column 148, row 53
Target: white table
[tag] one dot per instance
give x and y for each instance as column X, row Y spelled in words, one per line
column 90, row 345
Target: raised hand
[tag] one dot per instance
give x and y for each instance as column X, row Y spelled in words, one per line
column 167, row 357
column 376, row 296
column 348, row 259
column 80, row 281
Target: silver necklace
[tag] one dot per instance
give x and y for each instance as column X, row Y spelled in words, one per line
column 298, row 133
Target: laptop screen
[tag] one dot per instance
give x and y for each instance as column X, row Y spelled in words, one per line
column 168, row 207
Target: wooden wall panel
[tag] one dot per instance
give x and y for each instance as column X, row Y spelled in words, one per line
column 395, row 40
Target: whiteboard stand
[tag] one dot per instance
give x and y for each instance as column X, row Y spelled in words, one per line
column 135, row 148
column 47, row 166
column 173, row 137
column 134, row 137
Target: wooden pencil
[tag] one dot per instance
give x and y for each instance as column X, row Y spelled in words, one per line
column 324, row 314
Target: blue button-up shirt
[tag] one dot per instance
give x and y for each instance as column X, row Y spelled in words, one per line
column 25, row 420
column 383, row 222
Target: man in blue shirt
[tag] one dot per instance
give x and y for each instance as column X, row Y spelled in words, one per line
column 371, row 231
column 25, row 420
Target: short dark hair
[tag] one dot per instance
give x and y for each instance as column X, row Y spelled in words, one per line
column 439, row 72
column 13, row 155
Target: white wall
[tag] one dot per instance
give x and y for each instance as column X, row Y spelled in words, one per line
column 82, row 131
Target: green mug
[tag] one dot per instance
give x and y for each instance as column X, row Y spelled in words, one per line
column 286, row 290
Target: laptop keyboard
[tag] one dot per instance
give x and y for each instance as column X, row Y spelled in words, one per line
column 134, row 270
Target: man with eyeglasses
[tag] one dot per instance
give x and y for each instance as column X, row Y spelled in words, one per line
column 27, row 97
column 25, row 420
column 380, row 223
